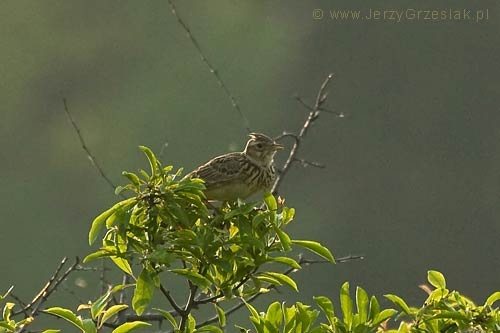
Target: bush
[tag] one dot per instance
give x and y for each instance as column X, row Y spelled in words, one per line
column 167, row 228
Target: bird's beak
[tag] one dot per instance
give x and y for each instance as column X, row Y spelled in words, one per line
column 278, row 146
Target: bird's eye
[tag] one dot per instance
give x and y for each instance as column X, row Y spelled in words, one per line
column 259, row 145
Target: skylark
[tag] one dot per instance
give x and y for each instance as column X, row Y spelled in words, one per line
column 240, row 174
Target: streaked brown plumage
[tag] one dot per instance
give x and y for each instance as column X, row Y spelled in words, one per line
column 241, row 174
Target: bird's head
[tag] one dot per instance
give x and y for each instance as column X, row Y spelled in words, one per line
column 262, row 148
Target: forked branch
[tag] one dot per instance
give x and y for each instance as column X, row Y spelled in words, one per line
column 314, row 112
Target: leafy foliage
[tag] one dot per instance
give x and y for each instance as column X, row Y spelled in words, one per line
column 448, row 311
column 168, row 229
column 444, row 311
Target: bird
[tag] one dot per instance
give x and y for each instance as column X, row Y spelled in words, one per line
column 239, row 175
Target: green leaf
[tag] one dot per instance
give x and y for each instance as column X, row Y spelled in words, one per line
column 98, row 222
column 144, row 174
column 209, row 328
column 8, row 327
column 123, row 264
column 346, row 304
column 399, row 302
column 268, row 279
column 89, row 326
column 134, row 179
column 374, row 307
column 287, row 261
column 120, row 217
column 326, row 306
column 67, row 315
column 436, row 279
column 287, row 215
column 221, row 314
column 284, row 239
column 362, row 304
column 112, row 311
column 153, row 161
column 316, row 248
column 282, row 278
column 169, row 317
column 194, row 277
column 270, row 201
column 241, row 210
column 274, row 315
column 127, row 327
column 7, row 310
column 191, row 323
column 143, row 292
column 99, row 304
column 290, row 323
column 252, row 310
column 383, row 316
column 492, row 298
column 452, row 315
column 51, row 331
column 97, row 307
column 95, row 255
column 305, row 317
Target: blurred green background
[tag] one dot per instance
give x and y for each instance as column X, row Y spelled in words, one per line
column 412, row 178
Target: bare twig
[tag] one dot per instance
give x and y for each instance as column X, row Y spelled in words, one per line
column 21, row 303
column 102, row 277
column 304, row 104
column 90, row 156
column 211, row 68
column 54, row 284
column 305, row 163
column 171, row 300
column 350, row 257
column 322, row 109
column 189, row 304
column 315, row 110
column 287, row 135
column 46, row 287
column 49, row 287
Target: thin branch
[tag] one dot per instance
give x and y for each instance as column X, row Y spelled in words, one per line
column 148, row 317
column 102, row 277
column 49, row 287
column 350, row 257
column 21, row 303
column 90, row 156
column 189, row 304
column 338, row 114
column 122, row 297
column 211, row 68
column 304, row 104
column 73, row 293
column 55, row 283
column 171, row 300
column 287, row 135
column 315, row 110
column 305, row 163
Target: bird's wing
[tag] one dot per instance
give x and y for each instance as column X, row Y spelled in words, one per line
column 220, row 170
